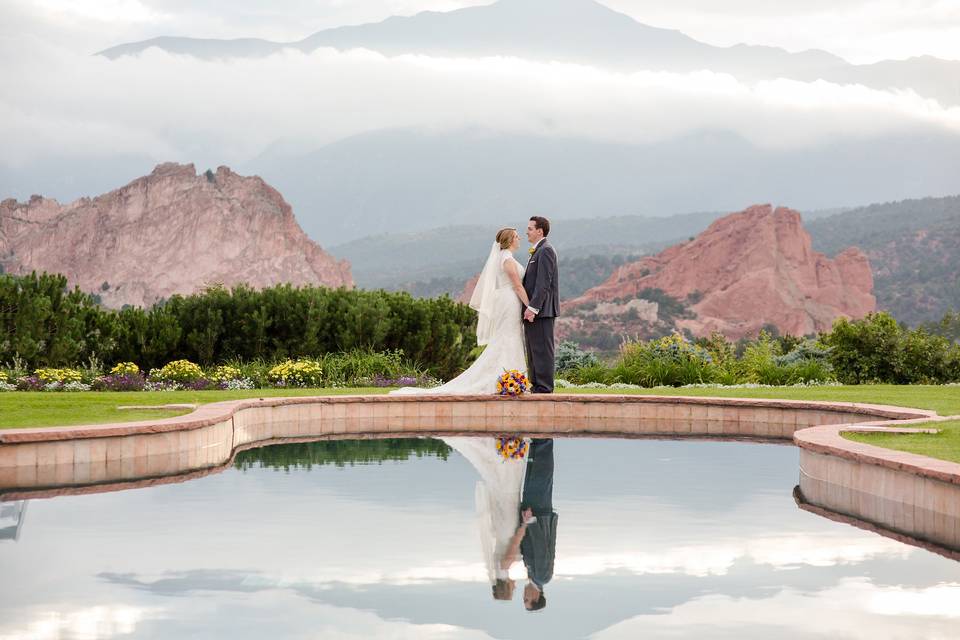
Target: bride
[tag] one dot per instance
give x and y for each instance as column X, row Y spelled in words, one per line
column 499, row 299
column 498, row 508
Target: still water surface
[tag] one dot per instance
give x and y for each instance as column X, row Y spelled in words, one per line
column 654, row 539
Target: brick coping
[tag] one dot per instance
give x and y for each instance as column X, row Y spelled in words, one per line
column 216, row 412
column 828, row 440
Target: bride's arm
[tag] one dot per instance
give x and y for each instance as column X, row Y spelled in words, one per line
column 510, row 268
column 513, row 547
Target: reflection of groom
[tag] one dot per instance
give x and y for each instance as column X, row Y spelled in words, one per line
column 541, row 284
column 539, row 544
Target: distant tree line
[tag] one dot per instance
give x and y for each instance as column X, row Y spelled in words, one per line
column 46, row 324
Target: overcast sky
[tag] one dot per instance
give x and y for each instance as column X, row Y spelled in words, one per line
column 859, row 30
column 57, row 101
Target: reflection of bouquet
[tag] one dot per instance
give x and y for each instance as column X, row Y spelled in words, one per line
column 512, row 383
column 511, row 448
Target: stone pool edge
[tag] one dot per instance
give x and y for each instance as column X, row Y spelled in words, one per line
column 217, row 412
column 906, row 496
column 894, row 490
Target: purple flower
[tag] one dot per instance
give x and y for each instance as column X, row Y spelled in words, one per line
column 200, row 384
column 29, row 383
column 403, row 381
column 120, row 382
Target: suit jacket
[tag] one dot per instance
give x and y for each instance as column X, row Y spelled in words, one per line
column 539, row 544
column 541, row 281
column 539, row 548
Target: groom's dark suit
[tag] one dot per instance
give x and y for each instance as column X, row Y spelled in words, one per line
column 539, row 544
column 541, row 282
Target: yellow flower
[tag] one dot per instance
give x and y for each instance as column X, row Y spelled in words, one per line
column 58, row 375
column 125, row 368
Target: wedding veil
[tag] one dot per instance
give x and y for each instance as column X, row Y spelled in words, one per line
column 483, row 295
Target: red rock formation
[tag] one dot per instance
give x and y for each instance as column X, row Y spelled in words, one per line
column 747, row 270
column 468, row 288
column 169, row 232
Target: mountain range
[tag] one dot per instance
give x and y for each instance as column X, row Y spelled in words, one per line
column 402, row 181
column 747, row 271
column 913, row 247
column 584, row 32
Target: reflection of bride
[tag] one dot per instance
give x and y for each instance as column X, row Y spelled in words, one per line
column 497, row 298
column 498, row 508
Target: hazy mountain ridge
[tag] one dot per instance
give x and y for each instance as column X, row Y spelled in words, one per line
column 471, row 176
column 579, row 31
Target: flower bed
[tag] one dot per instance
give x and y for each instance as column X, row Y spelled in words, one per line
column 351, row 369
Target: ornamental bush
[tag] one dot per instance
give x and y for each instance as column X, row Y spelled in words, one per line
column 182, row 371
column 876, row 349
column 570, row 356
column 125, row 369
column 225, row 372
column 120, row 382
column 669, row 361
column 62, row 376
column 47, row 325
column 296, row 373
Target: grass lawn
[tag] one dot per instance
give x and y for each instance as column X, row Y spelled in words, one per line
column 48, row 409
column 44, row 409
column 944, row 445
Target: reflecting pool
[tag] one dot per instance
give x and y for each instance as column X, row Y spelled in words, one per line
column 407, row 539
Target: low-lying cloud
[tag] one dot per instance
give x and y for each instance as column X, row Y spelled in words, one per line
column 55, row 102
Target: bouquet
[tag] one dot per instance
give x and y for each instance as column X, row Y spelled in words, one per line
column 512, row 383
column 514, row 448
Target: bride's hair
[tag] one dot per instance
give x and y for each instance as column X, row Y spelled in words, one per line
column 505, row 237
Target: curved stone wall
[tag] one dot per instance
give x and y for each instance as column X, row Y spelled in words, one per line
column 38, row 459
column 904, row 493
column 911, row 497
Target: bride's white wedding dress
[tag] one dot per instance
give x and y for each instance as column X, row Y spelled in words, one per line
column 497, row 498
column 499, row 327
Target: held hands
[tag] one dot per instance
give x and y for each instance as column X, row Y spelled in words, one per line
column 529, row 315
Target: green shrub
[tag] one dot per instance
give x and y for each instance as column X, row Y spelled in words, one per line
column 46, row 325
column 58, row 375
column 570, row 356
column 588, row 373
column 877, row 349
column 225, row 372
column 181, row 371
column 758, row 364
column 361, row 366
column 668, row 361
column 297, row 373
column 925, row 358
column 124, row 369
column 866, row 350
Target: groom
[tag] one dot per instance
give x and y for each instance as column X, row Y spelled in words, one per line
column 541, row 284
column 539, row 544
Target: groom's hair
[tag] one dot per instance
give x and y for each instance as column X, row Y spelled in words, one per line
column 539, row 604
column 541, row 223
